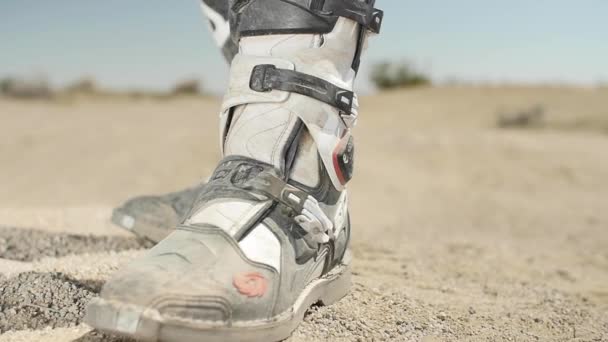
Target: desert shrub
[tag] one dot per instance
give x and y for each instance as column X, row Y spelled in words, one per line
column 387, row 75
column 521, row 118
column 187, row 87
column 82, row 86
column 6, row 84
column 25, row 88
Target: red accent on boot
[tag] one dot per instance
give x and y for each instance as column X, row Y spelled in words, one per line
column 251, row 284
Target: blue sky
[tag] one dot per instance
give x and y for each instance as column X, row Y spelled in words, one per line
column 152, row 43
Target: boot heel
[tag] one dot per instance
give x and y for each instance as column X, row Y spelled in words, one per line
column 337, row 289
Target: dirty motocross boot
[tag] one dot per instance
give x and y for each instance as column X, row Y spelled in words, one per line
column 154, row 217
column 268, row 235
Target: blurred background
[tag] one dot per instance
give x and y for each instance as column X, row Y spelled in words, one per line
column 151, row 45
column 481, row 191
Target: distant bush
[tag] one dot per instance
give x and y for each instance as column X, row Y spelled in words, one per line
column 187, row 87
column 6, row 84
column 82, row 86
column 40, row 88
column 398, row 75
column 25, row 88
column 523, row 118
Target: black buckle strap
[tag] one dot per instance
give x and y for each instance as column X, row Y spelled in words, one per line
column 270, row 185
column 306, row 209
column 362, row 12
column 267, row 77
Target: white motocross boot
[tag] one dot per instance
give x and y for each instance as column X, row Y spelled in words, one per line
column 268, row 235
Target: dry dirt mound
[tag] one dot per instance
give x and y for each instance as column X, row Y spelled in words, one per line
column 30, row 244
column 38, row 300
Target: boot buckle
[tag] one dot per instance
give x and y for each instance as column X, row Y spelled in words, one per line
column 309, row 214
column 267, row 77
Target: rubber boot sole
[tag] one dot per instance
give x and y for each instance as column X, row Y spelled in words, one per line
column 147, row 324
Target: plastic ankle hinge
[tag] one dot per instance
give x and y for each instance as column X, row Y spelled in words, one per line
column 267, row 77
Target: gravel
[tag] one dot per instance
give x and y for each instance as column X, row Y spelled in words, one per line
column 39, row 300
column 97, row 336
column 29, row 245
column 370, row 314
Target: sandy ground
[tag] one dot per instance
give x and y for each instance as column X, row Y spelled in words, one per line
column 463, row 231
